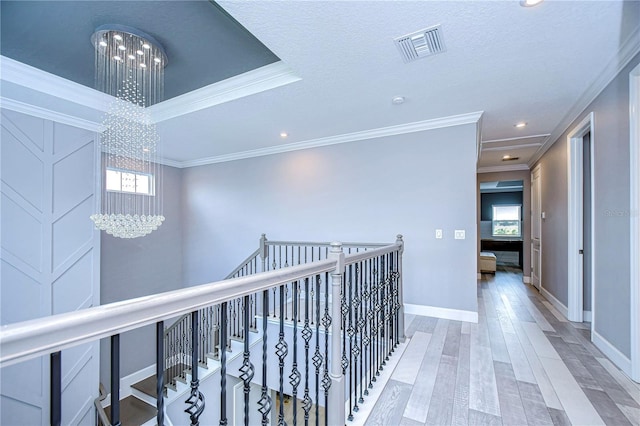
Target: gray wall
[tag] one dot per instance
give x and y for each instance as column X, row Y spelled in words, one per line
column 611, row 200
column 525, row 176
column 139, row 267
column 360, row 191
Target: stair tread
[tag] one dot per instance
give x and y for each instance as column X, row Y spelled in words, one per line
column 148, row 385
column 133, row 411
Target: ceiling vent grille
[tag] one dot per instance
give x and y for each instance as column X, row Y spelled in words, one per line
column 421, row 44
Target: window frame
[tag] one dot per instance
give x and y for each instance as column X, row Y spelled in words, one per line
column 151, row 179
column 493, row 221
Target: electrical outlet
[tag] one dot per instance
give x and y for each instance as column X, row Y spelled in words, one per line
column 459, row 234
column 439, row 234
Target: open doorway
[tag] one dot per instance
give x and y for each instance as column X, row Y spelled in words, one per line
column 580, row 254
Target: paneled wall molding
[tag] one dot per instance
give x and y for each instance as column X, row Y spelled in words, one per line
column 418, row 126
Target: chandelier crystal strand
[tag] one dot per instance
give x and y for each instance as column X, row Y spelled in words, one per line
column 130, row 67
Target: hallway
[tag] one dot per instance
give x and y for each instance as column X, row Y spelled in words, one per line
column 523, row 363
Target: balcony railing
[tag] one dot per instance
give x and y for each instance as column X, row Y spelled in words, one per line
column 338, row 315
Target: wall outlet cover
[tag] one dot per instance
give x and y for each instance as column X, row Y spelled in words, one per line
column 439, row 234
column 459, row 234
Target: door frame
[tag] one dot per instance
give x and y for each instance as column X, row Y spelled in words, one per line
column 575, row 171
column 536, row 171
column 634, row 218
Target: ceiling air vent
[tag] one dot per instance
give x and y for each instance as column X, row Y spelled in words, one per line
column 421, row 44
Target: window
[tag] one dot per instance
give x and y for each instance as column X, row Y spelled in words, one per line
column 506, row 221
column 129, row 181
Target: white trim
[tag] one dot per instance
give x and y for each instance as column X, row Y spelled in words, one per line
column 47, row 114
column 526, row 279
column 629, row 48
column 42, row 81
column 437, row 312
column 586, row 315
column 512, row 147
column 478, row 139
column 133, row 378
column 634, row 217
column 255, row 81
column 479, row 276
column 498, row 169
column 418, row 126
column 617, row 357
column 575, row 185
column 536, row 172
column 543, row 135
column 555, row 302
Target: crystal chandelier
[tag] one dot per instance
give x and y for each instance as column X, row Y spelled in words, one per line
column 130, row 67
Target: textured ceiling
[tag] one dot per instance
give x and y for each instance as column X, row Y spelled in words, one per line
column 540, row 65
column 203, row 43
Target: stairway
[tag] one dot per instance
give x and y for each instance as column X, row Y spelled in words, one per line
column 133, row 411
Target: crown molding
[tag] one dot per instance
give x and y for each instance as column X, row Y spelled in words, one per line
column 42, row 81
column 251, row 82
column 627, row 51
column 511, row 147
column 418, row 126
column 47, row 114
column 498, row 169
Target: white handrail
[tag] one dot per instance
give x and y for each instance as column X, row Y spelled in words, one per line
column 29, row 339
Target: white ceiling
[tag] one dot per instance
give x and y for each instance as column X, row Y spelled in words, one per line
column 540, row 65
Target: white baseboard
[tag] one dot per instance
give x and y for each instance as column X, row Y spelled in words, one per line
column 586, row 316
column 526, row 280
column 617, row 357
column 555, row 302
column 444, row 313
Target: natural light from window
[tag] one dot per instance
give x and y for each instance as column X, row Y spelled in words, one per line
column 506, row 221
column 129, row 182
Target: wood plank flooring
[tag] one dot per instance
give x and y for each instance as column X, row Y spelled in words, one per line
column 523, row 363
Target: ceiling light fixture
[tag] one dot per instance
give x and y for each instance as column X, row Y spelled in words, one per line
column 129, row 142
column 520, row 125
column 530, row 3
column 397, row 100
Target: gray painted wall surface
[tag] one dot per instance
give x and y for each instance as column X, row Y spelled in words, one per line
column 525, row 176
column 360, row 191
column 611, row 200
column 139, row 267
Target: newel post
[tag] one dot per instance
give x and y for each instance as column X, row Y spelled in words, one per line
column 400, row 242
column 263, row 251
column 335, row 408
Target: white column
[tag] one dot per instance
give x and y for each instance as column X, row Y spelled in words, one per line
column 335, row 410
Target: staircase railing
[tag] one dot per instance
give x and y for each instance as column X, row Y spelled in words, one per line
column 350, row 340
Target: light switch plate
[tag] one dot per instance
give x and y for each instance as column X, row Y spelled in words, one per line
column 459, row 234
column 439, row 234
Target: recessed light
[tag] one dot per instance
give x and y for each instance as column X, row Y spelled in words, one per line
column 146, row 46
column 140, row 52
column 397, row 100
column 520, row 125
column 103, row 43
column 506, row 157
column 122, row 47
column 284, row 134
column 117, row 58
column 530, row 3
column 117, row 37
column 509, row 158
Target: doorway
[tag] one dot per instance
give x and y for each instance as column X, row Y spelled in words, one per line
column 580, row 250
column 536, row 228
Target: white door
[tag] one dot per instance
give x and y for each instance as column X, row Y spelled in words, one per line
column 536, row 228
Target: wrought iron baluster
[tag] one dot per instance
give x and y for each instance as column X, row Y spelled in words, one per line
column 115, row 380
column 247, row 370
column 160, row 360
column 326, row 322
column 317, row 357
column 196, row 398
column 369, row 326
column 350, row 332
column 265, row 399
column 223, row 364
column 306, row 335
column 360, row 323
column 281, row 352
column 55, row 396
column 376, row 320
column 294, row 378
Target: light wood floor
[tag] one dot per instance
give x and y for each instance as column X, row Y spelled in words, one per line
column 523, row 363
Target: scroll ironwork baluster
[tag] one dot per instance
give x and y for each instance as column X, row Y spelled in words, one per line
column 306, row 335
column 294, row 378
column 350, row 333
column 247, row 370
column 196, row 398
column 281, row 352
column 317, row 357
column 326, row 323
column 265, row 399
